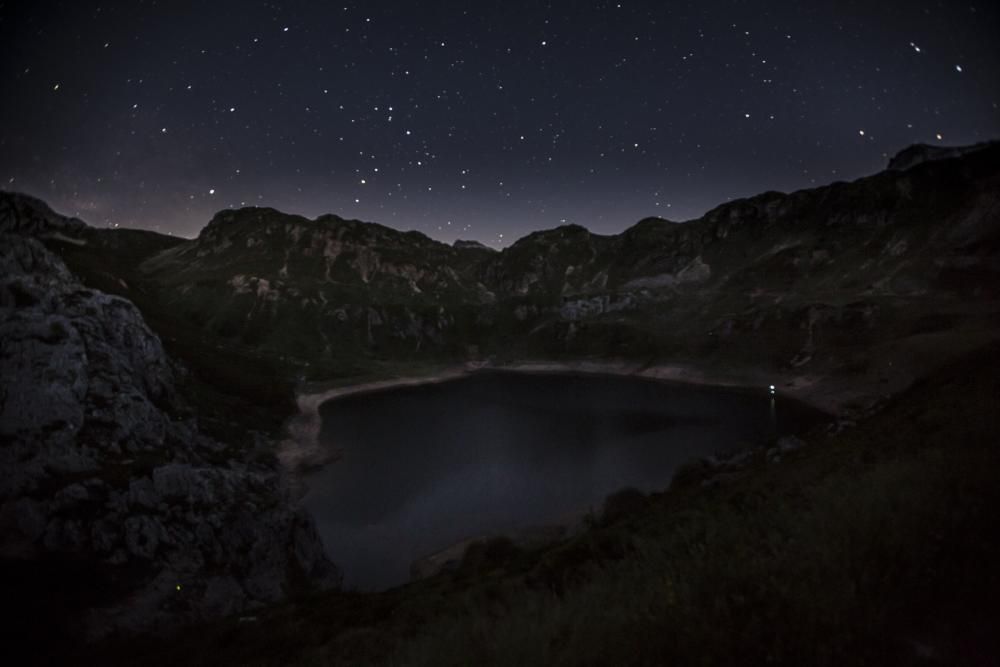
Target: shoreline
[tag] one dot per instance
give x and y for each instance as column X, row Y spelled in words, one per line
column 300, row 450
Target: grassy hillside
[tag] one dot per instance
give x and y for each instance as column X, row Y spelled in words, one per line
column 876, row 545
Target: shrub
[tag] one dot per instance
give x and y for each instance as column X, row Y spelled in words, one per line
column 487, row 555
column 623, row 503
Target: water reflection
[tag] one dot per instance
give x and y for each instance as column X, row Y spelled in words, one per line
column 425, row 467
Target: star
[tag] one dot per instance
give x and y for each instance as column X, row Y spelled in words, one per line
column 450, row 86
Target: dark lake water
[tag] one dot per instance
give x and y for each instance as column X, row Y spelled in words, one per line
column 425, row 467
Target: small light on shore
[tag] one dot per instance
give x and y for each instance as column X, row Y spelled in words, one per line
column 772, row 389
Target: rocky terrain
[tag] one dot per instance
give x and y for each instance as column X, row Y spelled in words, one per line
column 104, row 471
column 144, row 377
column 864, row 281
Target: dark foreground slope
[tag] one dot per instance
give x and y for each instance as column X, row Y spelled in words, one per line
column 877, row 545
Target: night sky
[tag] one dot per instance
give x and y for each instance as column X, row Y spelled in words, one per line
column 475, row 120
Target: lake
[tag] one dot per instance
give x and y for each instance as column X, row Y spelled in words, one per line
column 425, row 467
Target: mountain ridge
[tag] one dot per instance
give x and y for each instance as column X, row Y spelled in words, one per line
column 327, row 291
column 906, row 158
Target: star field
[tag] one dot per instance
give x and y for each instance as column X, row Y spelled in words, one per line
column 482, row 120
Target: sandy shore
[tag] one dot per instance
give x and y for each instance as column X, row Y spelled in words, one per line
column 301, row 448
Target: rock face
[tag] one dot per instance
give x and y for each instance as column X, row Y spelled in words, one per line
column 100, row 460
column 22, row 214
column 336, row 286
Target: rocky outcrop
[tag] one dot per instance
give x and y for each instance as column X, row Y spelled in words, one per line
column 101, row 460
column 23, row 214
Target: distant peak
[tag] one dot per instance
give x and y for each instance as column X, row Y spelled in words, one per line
column 573, row 228
column 330, row 218
column 232, row 218
column 470, row 245
column 916, row 154
column 653, row 221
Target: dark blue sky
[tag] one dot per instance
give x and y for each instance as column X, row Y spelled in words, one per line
column 474, row 120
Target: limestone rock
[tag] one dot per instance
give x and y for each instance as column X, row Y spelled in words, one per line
column 89, row 409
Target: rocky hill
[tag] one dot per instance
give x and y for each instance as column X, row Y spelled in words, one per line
column 110, row 494
column 821, row 281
